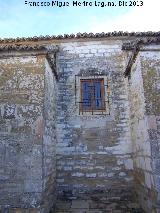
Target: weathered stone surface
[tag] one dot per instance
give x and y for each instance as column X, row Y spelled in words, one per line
column 25, row 169
column 55, row 156
column 94, row 153
column 143, row 124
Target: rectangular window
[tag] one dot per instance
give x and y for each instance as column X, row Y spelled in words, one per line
column 92, row 94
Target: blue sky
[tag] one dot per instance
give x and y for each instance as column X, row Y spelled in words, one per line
column 20, row 20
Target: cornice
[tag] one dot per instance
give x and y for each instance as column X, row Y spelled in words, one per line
column 20, row 47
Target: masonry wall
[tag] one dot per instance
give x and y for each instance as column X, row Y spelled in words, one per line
column 150, row 63
column 142, row 157
column 94, row 153
column 27, row 169
column 50, row 152
column 49, row 141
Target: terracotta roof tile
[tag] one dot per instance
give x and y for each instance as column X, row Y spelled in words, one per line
column 82, row 35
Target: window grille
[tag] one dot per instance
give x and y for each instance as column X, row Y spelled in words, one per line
column 92, row 94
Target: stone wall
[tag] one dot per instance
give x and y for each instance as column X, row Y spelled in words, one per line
column 94, row 152
column 140, row 139
column 144, row 114
column 150, row 63
column 27, row 168
column 53, row 153
column 49, row 141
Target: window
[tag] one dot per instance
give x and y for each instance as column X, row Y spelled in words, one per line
column 92, row 94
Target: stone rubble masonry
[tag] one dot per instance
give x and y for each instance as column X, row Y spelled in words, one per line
column 49, row 141
column 52, row 157
column 27, row 132
column 144, row 105
column 151, row 80
column 91, row 163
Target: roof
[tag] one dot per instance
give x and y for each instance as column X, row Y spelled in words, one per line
column 82, row 35
column 132, row 45
column 140, row 38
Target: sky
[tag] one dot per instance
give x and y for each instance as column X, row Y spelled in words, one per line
column 18, row 19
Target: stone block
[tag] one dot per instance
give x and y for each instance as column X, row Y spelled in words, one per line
column 152, row 124
column 63, row 205
column 34, row 211
column 18, row 211
column 80, row 204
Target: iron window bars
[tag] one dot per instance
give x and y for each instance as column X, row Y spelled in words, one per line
column 92, row 94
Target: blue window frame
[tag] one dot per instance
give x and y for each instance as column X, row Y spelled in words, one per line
column 92, row 94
